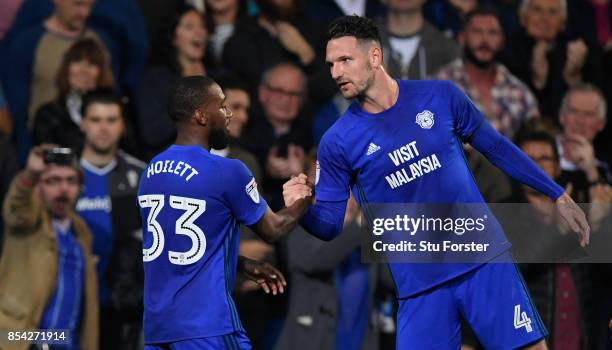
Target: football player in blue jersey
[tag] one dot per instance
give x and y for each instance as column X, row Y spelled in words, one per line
column 401, row 142
column 191, row 204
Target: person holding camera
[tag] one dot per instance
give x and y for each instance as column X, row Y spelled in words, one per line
column 47, row 271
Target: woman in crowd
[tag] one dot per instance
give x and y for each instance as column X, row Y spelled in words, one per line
column 85, row 67
column 185, row 50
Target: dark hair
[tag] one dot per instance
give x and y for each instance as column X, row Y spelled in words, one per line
column 538, row 136
column 101, row 96
column 169, row 54
column 189, row 94
column 86, row 49
column 231, row 82
column 359, row 27
column 482, row 11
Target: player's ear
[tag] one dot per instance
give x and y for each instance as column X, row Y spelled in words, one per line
column 376, row 57
column 200, row 116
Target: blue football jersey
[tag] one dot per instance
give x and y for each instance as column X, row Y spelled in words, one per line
column 192, row 203
column 409, row 153
column 94, row 206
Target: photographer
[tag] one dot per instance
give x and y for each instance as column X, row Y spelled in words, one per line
column 47, row 271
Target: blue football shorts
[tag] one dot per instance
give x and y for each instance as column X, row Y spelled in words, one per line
column 492, row 298
column 233, row 341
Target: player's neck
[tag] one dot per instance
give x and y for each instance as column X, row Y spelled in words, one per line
column 191, row 139
column 99, row 159
column 382, row 95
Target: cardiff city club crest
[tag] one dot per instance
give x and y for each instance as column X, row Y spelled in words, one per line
column 251, row 190
column 425, row 119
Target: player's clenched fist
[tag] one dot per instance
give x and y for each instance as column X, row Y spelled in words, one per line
column 296, row 188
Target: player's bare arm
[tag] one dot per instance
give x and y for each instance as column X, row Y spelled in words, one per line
column 273, row 226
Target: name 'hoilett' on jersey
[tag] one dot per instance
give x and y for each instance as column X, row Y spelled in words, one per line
column 417, row 169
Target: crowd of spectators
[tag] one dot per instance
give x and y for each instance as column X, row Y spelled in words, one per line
column 94, row 76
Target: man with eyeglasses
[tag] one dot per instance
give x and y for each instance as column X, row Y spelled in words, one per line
column 563, row 293
column 47, row 271
column 278, row 133
column 583, row 116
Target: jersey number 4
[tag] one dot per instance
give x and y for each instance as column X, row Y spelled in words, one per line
column 521, row 319
column 185, row 225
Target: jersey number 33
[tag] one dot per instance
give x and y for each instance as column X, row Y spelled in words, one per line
column 185, row 225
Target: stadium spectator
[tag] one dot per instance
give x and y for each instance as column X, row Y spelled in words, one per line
column 185, row 49
column 279, row 137
column 47, row 270
column 120, row 24
column 106, row 204
column 331, row 301
column 221, row 17
column 84, row 68
column 32, row 59
column 543, row 55
column 281, row 33
column 582, row 116
column 238, row 100
column 505, row 100
column 414, row 49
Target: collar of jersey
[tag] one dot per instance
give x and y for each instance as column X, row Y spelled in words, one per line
column 98, row 171
column 356, row 109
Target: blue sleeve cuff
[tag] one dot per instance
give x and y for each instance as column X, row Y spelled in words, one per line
column 325, row 219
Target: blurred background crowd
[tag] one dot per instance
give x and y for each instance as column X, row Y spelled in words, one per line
column 94, row 76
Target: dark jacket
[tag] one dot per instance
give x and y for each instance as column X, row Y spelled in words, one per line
column 157, row 131
column 259, row 137
column 125, row 275
column 52, row 124
column 542, row 244
column 313, row 299
column 434, row 51
column 518, row 55
column 122, row 319
column 251, row 50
